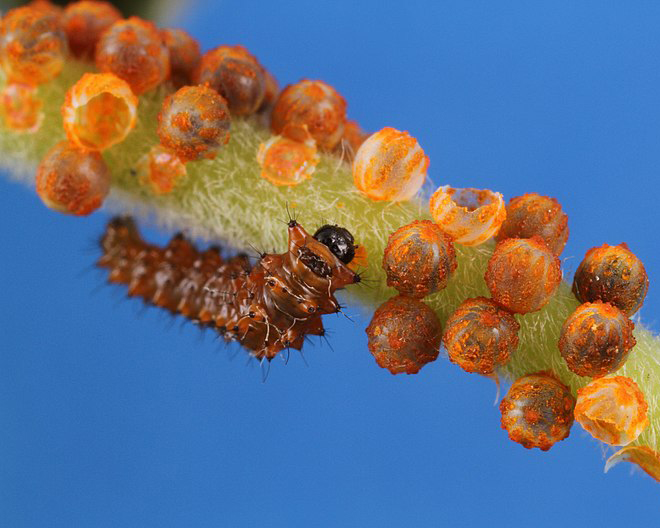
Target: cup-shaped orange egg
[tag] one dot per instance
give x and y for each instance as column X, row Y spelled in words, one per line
column 469, row 216
column 612, row 409
column 99, row 111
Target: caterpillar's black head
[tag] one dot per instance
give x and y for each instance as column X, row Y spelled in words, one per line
column 339, row 240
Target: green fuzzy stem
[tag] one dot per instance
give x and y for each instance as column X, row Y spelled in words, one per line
column 226, row 199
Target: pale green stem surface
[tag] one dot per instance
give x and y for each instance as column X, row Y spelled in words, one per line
column 226, row 200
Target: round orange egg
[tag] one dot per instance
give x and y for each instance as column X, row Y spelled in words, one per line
column 480, row 336
column 134, row 51
column 523, row 274
column 287, row 162
column 612, row 274
column 390, row 166
column 235, row 74
column 596, row 339
column 84, row 22
column 419, row 259
column 185, row 55
column 538, row 411
column 32, row 45
column 72, row 180
column 532, row 214
column 194, row 123
column 310, row 108
column 404, row 335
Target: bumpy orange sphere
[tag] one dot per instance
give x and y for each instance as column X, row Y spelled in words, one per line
column 532, row 214
column 84, row 22
column 596, row 339
column 480, row 336
column 99, row 111
column 235, row 74
column 390, row 165
column 184, row 55
column 419, row 259
column 613, row 410
column 194, row 123
column 72, row 180
column 287, row 162
column 404, row 335
column 538, row 411
column 134, row 51
column 21, row 108
column 310, row 108
column 32, row 45
column 469, row 216
column 523, row 274
column 612, row 274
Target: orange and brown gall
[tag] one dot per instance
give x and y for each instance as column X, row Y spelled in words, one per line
column 72, row 180
column 99, row 111
column 404, row 335
column 32, row 45
column 312, row 108
column 184, row 55
column 612, row 274
column 613, row 410
column 469, row 216
column 235, row 74
column 133, row 50
column 538, row 411
column 419, row 259
column 596, row 339
column 523, row 274
column 535, row 215
column 84, row 22
column 480, row 336
column 390, row 166
column 194, row 123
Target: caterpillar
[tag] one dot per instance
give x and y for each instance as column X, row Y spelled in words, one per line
column 267, row 307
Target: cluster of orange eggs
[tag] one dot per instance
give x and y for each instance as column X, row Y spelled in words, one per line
column 133, row 56
column 522, row 275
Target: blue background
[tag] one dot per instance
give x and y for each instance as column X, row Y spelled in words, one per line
column 111, row 417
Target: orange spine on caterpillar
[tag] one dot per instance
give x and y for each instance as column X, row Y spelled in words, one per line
column 267, row 308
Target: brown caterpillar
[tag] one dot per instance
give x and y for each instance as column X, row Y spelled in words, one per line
column 267, row 308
